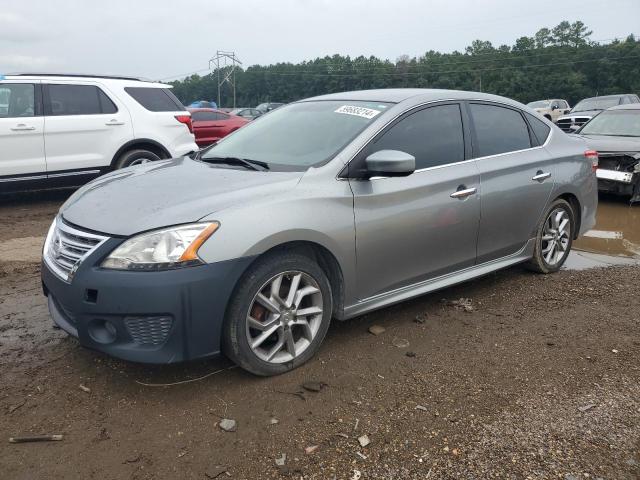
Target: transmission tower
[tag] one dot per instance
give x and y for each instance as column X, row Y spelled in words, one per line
column 225, row 64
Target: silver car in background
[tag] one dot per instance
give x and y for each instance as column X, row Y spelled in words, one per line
column 326, row 208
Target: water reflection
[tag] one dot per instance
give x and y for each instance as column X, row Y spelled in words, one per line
column 617, row 230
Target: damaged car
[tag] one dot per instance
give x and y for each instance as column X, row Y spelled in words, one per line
column 326, row 208
column 615, row 135
column 588, row 108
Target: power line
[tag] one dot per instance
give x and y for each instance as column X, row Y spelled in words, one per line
column 361, row 64
column 358, row 74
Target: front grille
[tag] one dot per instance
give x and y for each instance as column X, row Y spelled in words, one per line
column 66, row 247
column 149, row 330
column 566, row 123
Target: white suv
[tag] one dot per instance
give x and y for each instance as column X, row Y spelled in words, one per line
column 61, row 130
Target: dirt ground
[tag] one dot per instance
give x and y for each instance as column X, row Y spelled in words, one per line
column 540, row 380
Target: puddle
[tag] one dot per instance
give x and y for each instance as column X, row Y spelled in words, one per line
column 615, row 239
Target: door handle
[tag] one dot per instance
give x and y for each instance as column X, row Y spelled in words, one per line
column 114, row 122
column 463, row 192
column 541, row 176
column 22, row 127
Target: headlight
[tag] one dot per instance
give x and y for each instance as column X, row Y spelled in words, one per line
column 162, row 249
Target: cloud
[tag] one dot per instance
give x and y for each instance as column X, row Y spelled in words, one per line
column 15, row 28
column 26, row 63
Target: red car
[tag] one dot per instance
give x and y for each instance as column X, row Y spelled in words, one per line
column 210, row 125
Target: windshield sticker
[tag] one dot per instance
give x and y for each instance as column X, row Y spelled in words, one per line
column 367, row 113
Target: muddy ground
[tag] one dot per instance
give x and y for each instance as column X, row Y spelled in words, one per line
column 540, row 380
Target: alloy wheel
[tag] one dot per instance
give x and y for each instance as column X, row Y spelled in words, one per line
column 556, row 236
column 284, row 317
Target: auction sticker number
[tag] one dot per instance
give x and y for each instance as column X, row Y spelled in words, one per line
column 367, row 113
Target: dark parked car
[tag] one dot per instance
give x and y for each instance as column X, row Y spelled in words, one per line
column 267, row 107
column 210, row 125
column 248, row 113
column 615, row 134
column 588, row 108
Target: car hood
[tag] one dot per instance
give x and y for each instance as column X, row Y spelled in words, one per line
column 603, row 143
column 166, row 193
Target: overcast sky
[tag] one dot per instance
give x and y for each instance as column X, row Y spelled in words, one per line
column 161, row 39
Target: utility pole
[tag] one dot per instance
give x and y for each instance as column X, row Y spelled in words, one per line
column 228, row 62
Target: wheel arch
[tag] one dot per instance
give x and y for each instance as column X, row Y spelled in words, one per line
column 577, row 210
column 141, row 144
column 325, row 258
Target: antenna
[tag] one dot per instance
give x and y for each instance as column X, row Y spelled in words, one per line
column 225, row 64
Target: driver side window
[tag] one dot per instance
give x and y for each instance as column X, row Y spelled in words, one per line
column 433, row 135
column 17, row 100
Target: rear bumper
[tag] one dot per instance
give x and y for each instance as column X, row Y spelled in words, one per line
column 148, row 317
column 613, row 175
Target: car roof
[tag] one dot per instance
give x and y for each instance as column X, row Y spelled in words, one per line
column 628, row 106
column 617, row 95
column 411, row 95
column 204, row 109
column 80, row 76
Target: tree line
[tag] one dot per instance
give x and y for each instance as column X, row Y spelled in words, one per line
column 561, row 62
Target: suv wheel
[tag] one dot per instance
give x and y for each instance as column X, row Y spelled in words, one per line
column 554, row 238
column 279, row 314
column 136, row 157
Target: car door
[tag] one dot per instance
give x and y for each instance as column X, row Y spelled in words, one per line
column 410, row 229
column 21, row 130
column 84, row 127
column 516, row 174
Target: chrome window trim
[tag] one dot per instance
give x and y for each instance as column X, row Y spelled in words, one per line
column 459, row 100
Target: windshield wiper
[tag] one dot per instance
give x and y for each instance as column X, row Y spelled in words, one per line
column 245, row 162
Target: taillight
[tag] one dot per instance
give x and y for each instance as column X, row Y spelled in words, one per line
column 593, row 156
column 186, row 119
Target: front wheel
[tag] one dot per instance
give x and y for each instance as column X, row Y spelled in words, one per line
column 554, row 238
column 279, row 314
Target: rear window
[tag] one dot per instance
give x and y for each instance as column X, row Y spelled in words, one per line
column 498, row 130
column 78, row 100
column 208, row 116
column 540, row 129
column 155, row 99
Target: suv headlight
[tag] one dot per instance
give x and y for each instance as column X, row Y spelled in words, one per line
column 164, row 249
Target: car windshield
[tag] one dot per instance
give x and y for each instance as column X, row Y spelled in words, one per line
column 539, row 104
column 299, row 135
column 623, row 123
column 595, row 104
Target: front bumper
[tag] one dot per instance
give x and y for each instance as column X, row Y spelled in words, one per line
column 149, row 317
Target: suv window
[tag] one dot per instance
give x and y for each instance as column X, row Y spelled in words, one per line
column 432, row 135
column 155, row 99
column 498, row 130
column 540, row 129
column 78, row 100
column 208, row 116
column 17, row 100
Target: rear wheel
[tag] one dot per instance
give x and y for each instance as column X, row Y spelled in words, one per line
column 136, row 157
column 279, row 314
column 554, row 238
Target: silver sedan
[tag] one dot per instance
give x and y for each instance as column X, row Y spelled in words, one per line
column 324, row 209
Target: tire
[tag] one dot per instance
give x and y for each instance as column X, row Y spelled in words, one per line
column 262, row 278
column 135, row 157
column 543, row 260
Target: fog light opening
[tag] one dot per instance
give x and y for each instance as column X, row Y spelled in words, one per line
column 102, row 331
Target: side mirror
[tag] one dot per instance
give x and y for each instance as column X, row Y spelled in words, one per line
column 390, row 163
